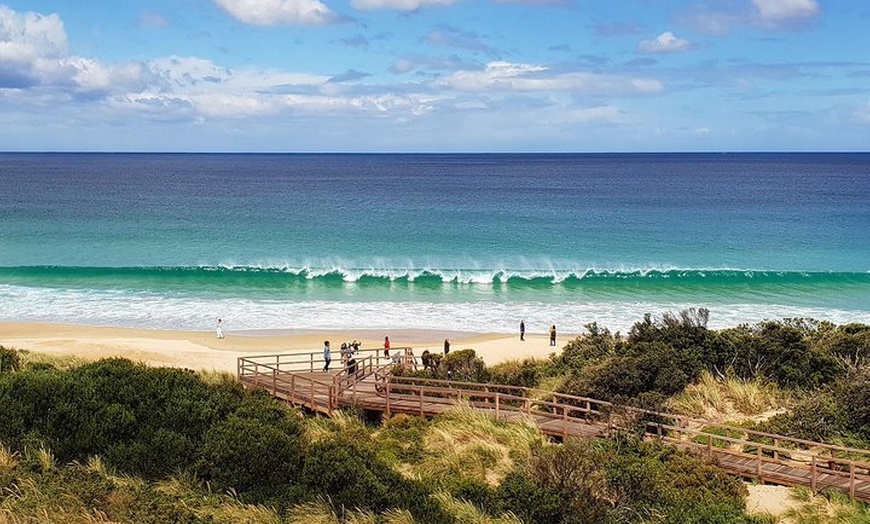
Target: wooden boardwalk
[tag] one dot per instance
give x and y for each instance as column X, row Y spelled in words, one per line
column 298, row 378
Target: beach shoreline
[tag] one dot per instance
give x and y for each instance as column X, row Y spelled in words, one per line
column 202, row 350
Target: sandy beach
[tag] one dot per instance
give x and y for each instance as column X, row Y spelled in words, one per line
column 203, row 350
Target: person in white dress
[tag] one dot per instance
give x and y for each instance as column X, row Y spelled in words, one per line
column 219, row 330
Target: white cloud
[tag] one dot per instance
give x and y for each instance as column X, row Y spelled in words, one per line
column 664, row 43
column 506, row 76
column 31, row 45
column 398, row 5
column 777, row 11
column 279, row 12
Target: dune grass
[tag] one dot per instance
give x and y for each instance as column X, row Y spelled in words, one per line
column 63, row 362
column 463, row 443
column 726, row 398
column 827, row 508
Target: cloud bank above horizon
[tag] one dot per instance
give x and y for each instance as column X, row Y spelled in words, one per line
column 434, row 75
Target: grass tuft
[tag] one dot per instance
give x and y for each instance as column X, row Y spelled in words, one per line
column 727, row 398
column 465, row 512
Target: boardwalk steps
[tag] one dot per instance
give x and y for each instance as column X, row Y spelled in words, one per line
column 776, row 459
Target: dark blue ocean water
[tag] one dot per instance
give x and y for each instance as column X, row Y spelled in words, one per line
column 457, row 242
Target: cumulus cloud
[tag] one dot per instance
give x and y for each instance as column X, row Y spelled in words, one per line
column 506, row 76
column 279, row 12
column 664, row 43
column 397, row 5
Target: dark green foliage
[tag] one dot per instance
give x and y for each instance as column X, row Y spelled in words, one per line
column 148, row 421
column 9, row 360
column 252, row 457
column 526, row 373
column 350, row 475
column 603, row 481
column 840, row 411
column 649, row 367
column 464, row 366
column 588, row 349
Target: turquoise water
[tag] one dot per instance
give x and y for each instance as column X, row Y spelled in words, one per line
column 447, row 242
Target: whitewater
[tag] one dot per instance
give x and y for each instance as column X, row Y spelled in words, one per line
column 470, row 243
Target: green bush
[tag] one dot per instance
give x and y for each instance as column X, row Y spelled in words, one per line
column 249, row 455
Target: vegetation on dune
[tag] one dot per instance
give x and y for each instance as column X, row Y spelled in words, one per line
column 114, row 441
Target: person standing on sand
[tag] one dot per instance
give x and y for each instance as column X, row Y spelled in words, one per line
column 327, row 355
column 386, row 346
column 446, row 346
column 553, row 335
column 219, row 330
column 522, row 329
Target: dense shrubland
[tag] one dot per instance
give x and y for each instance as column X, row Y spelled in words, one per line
column 813, row 375
column 121, row 442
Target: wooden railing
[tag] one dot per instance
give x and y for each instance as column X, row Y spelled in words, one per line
column 740, row 451
column 765, row 456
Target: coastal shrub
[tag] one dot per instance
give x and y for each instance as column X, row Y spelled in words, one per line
column 464, row 366
column 144, row 420
column 522, row 373
column 589, row 348
column 350, row 474
column 10, row 361
column 653, row 368
column 251, row 457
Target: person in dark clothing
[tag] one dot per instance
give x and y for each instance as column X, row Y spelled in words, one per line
column 446, row 347
column 553, row 335
column 522, row 329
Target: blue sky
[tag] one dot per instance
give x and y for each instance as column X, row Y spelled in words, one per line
column 435, row 75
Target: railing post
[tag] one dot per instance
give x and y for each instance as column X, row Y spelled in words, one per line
column 813, row 475
column 758, row 468
column 292, row 389
column 709, row 446
column 564, row 421
column 776, row 449
column 421, row 401
column 497, row 404
column 852, row 478
column 387, row 381
column 274, row 381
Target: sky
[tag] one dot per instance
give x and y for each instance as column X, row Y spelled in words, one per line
column 435, row 75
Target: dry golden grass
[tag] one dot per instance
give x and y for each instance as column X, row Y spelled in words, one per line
column 465, row 443
column 64, row 362
column 467, row 513
column 215, row 377
column 834, row 508
column 321, row 428
column 728, row 398
column 8, row 459
column 320, row 512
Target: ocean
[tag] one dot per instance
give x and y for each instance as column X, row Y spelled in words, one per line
column 449, row 242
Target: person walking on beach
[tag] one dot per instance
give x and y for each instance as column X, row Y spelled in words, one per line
column 386, row 346
column 446, row 346
column 219, row 330
column 553, row 335
column 327, row 356
column 522, row 329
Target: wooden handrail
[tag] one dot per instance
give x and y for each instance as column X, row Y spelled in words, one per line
column 760, row 453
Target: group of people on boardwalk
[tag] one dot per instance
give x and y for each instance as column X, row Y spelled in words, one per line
column 552, row 332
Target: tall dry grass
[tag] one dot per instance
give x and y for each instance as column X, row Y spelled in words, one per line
column 62, row 362
column 320, row 512
column 466, row 443
column 726, row 398
column 467, row 513
column 832, row 508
